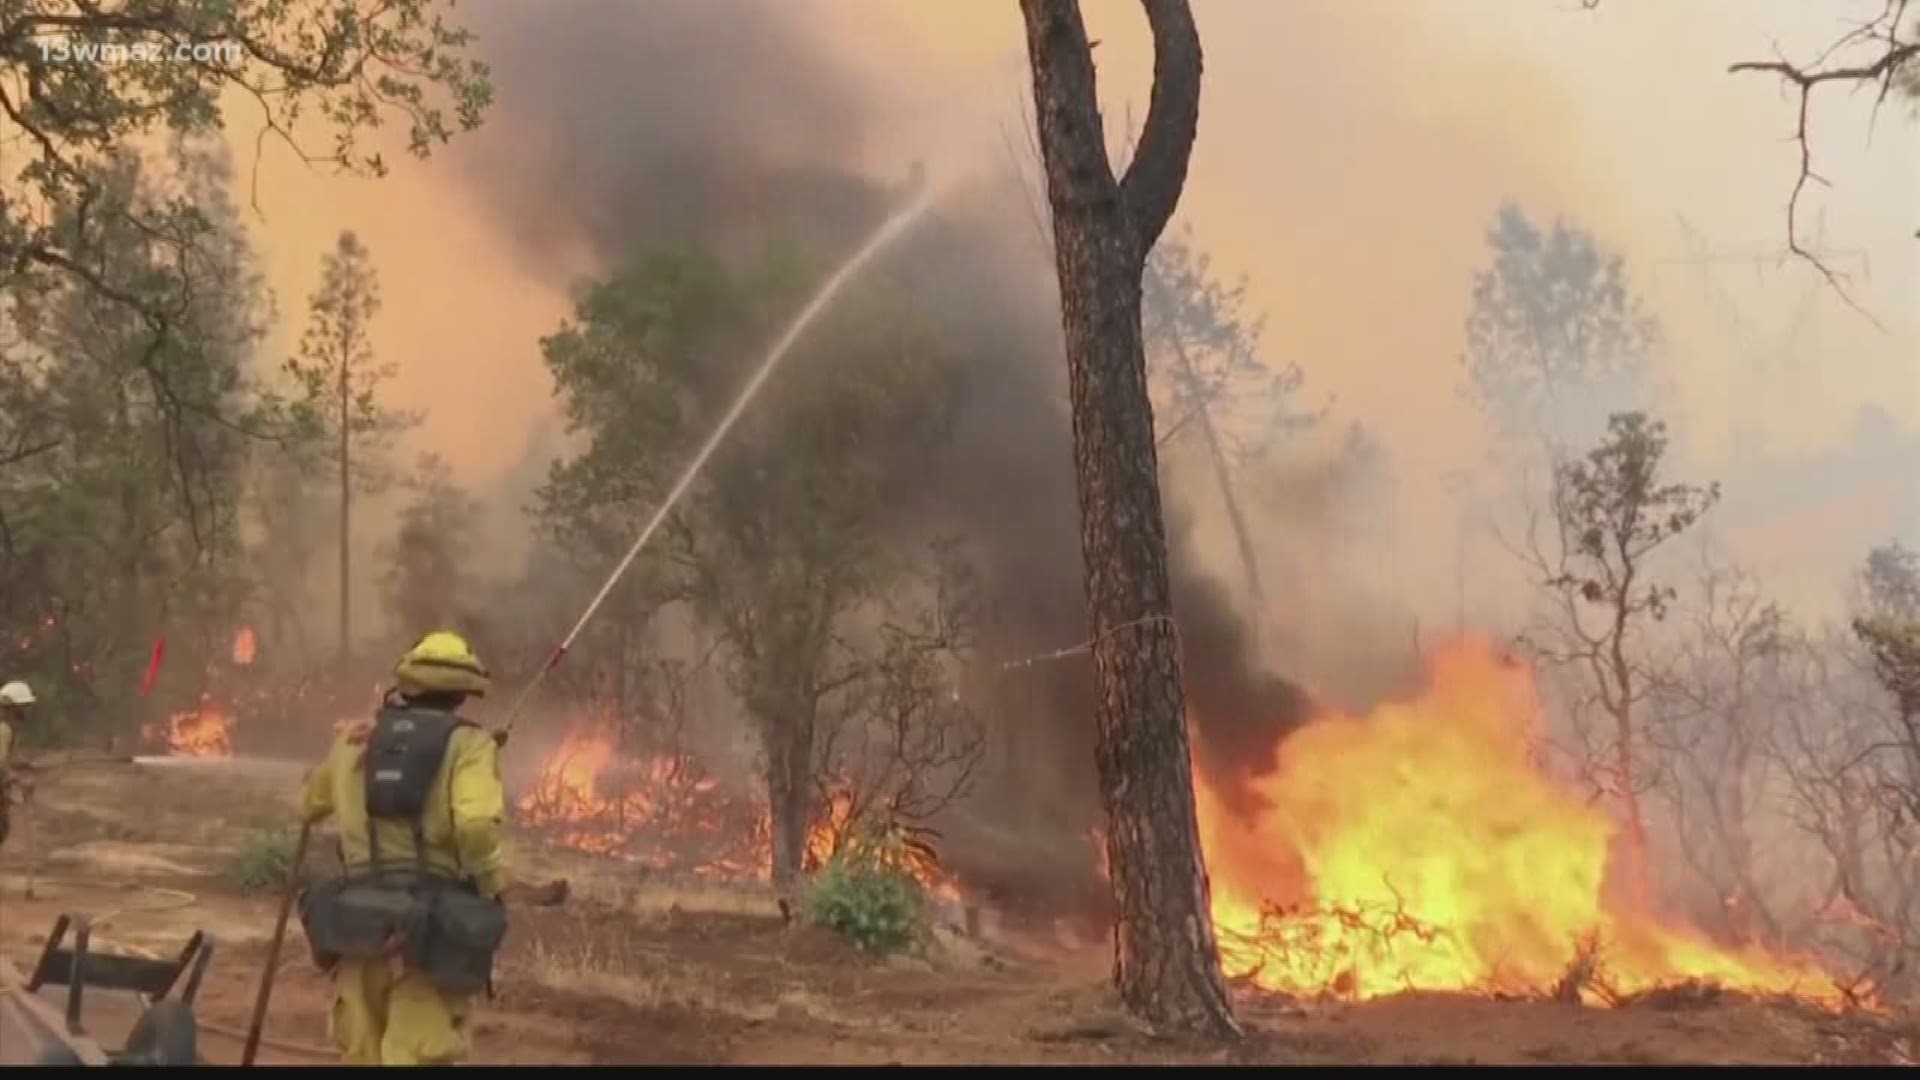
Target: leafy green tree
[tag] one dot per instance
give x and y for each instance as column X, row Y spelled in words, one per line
column 336, row 366
column 1611, row 510
column 1890, row 583
column 429, row 564
column 125, row 522
column 1890, row 630
column 288, row 516
column 77, row 87
column 784, row 547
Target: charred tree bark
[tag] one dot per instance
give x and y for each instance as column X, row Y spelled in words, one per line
column 1166, row 962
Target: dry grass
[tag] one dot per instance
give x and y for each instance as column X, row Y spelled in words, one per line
column 636, row 890
column 588, row 966
column 641, row 978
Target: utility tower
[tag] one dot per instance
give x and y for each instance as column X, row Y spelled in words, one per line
column 1762, row 361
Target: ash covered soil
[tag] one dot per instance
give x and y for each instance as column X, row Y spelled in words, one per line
column 638, row 969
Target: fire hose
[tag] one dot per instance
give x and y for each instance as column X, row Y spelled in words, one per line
column 63, row 763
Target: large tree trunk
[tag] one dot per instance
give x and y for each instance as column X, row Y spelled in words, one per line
column 1166, row 964
column 788, row 743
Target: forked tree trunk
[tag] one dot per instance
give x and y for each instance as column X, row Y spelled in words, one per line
column 1166, row 963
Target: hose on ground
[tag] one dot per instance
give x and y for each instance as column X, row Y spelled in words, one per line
column 171, row 899
column 302, row 1049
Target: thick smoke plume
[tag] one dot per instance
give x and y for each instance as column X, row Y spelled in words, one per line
column 723, row 124
column 623, row 125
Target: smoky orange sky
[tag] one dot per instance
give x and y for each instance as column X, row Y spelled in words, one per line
column 1351, row 154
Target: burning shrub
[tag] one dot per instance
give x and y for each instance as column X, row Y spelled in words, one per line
column 899, row 746
column 264, row 858
column 868, row 893
column 662, row 809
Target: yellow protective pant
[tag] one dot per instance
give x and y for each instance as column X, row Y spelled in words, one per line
column 384, row 1017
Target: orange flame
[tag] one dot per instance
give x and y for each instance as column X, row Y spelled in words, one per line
column 662, row 793
column 667, row 801
column 837, row 824
column 245, row 646
column 203, row 732
column 1420, row 847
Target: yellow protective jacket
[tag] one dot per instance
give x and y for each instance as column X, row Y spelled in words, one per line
column 464, row 819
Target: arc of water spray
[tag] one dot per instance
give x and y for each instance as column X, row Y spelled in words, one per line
column 886, row 234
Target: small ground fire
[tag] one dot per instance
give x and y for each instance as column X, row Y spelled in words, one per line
column 245, row 646
column 205, row 731
column 666, row 811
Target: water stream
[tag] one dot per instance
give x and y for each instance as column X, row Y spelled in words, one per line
column 889, row 230
column 260, row 766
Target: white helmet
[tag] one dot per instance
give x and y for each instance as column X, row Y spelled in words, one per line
column 16, row 693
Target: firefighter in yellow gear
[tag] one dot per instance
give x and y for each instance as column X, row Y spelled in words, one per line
column 15, row 697
column 390, row 1007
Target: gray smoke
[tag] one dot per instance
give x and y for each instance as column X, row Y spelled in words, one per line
column 624, row 125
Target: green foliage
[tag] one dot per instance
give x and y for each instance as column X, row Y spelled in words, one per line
column 75, row 99
column 426, row 575
column 263, row 860
column 794, row 529
column 1890, row 627
column 119, row 500
column 336, row 372
column 1612, row 510
column 866, row 893
column 1890, row 582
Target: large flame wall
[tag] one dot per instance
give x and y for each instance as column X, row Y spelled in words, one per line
column 1421, row 847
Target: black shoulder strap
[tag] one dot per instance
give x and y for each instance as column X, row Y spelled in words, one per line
column 408, row 746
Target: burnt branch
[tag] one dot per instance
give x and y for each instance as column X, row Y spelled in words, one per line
column 23, row 451
column 1888, row 70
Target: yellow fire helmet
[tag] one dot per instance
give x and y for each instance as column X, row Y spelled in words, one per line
column 444, row 662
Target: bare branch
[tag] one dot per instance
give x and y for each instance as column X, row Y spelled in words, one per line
column 1896, row 53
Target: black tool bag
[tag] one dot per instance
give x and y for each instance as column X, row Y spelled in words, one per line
column 355, row 917
column 454, row 938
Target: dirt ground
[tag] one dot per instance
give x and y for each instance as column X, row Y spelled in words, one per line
column 646, row 971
